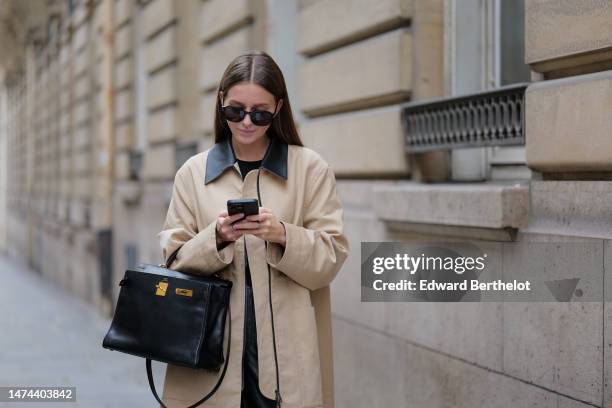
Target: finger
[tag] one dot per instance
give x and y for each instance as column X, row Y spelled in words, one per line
column 254, row 217
column 228, row 228
column 223, row 213
column 264, row 210
column 240, row 225
column 234, row 217
column 246, row 225
column 233, row 234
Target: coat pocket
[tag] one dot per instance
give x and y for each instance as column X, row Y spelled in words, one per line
column 308, row 356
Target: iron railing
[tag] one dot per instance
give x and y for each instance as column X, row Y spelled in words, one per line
column 490, row 118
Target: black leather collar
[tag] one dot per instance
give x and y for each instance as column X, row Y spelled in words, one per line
column 221, row 157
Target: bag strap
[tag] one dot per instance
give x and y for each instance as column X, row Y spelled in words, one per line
column 207, row 396
column 277, row 397
column 171, row 258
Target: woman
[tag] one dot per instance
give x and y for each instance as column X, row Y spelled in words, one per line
column 281, row 339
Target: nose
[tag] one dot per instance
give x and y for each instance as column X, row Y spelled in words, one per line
column 247, row 121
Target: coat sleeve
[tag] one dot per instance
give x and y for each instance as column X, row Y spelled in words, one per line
column 314, row 253
column 198, row 252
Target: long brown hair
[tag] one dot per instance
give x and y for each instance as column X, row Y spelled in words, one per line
column 259, row 68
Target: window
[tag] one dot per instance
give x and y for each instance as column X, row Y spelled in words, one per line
column 484, row 49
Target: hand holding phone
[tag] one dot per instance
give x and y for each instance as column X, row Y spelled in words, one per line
column 237, row 209
column 265, row 225
column 246, row 206
column 225, row 232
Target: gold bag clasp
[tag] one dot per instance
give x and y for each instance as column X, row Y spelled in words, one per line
column 161, row 288
column 184, row 292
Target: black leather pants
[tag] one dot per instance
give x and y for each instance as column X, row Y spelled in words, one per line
column 251, row 396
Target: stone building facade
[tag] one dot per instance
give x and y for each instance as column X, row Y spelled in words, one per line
column 485, row 120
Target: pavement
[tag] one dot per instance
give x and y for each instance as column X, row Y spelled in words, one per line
column 50, row 337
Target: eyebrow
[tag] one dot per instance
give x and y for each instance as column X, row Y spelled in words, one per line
column 255, row 106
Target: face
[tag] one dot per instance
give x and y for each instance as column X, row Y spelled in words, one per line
column 250, row 97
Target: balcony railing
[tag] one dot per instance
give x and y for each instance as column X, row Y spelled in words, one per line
column 490, row 118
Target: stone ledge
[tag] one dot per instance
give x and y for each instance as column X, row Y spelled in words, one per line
column 484, row 205
column 406, row 231
column 573, row 208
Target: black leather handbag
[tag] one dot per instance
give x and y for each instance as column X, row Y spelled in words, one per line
column 172, row 317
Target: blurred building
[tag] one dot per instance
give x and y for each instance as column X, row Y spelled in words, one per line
column 480, row 119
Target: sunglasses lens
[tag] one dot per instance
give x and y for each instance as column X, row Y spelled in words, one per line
column 236, row 114
column 261, row 118
column 233, row 114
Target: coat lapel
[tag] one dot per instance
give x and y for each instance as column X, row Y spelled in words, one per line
column 221, row 157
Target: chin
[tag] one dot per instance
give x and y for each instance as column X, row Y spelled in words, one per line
column 248, row 139
column 245, row 139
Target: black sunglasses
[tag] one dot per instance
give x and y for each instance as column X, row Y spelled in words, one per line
column 259, row 118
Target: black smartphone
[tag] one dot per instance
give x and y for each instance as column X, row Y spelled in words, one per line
column 248, row 206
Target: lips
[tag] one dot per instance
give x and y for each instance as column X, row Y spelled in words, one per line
column 247, row 132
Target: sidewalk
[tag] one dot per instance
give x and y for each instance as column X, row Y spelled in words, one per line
column 49, row 337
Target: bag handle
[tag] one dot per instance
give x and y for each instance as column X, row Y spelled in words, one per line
column 171, row 258
column 207, row 396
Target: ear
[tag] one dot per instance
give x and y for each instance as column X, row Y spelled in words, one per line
column 221, row 98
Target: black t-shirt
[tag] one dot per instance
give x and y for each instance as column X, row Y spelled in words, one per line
column 245, row 167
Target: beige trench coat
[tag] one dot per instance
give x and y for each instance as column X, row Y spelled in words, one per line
column 300, row 189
